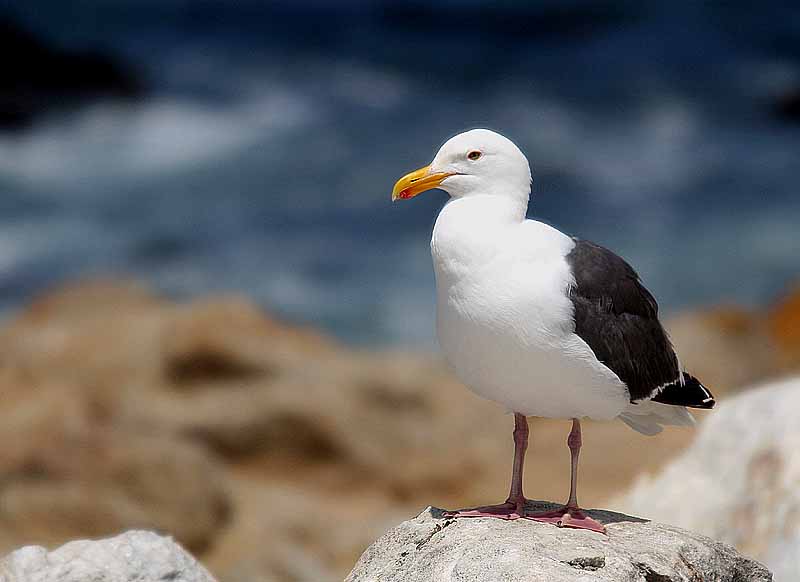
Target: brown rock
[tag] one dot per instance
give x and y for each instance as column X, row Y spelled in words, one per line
column 63, row 483
column 90, row 298
column 726, row 347
column 784, row 324
column 91, row 334
column 65, row 473
column 118, row 396
column 231, row 339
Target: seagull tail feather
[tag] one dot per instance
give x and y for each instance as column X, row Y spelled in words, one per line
column 649, row 418
column 686, row 391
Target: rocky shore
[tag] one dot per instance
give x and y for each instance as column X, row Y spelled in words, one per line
column 432, row 547
column 273, row 452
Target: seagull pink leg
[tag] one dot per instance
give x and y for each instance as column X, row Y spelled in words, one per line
column 571, row 515
column 514, row 506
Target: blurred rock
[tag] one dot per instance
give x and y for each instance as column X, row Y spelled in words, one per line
column 784, row 322
column 71, row 469
column 431, row 547
column 786, row 106
column 275, row 451
column 59, row 483
column 92, row 335
column 39, row 78
column 728, row 348
column 131, row 557
column 231, row 339
column 740, row 480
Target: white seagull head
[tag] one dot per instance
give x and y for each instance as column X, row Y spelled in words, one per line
column 476, row 162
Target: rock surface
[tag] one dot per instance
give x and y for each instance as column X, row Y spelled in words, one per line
column 135, row 556
column 214, row 422
column 432, row 548
column 740, row 480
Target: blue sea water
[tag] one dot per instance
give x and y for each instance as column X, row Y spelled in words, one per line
column 263, row 157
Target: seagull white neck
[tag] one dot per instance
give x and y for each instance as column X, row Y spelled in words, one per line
column 470, row 230
column 485, row 210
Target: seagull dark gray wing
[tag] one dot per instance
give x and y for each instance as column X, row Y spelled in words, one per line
column 618, row 318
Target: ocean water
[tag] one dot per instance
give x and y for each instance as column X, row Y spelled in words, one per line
column 263, row 157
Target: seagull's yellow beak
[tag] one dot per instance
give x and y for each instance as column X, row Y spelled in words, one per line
column 417, row 182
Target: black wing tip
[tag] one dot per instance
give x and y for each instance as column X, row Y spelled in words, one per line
column 691, row 393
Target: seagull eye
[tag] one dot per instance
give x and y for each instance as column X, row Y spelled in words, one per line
column 474, row 155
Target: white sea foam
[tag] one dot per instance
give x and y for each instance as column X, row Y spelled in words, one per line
column 660, row 151
column 104, row 141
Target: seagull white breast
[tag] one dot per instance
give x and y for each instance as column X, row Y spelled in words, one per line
column 504, row 318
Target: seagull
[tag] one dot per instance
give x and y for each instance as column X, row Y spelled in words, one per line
column 543, row 323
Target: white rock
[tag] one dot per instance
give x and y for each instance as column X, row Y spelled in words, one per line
column 431, row 548
column 740, row 480
column 139, row 556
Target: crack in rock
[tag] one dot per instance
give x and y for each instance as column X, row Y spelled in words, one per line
column 439, row 527
column 591, row 563
column 650, row 575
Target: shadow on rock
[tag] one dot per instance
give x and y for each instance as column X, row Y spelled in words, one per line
column 604, row 516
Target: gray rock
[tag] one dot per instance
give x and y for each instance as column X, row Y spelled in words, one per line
column 432, row 548
column 739, row 482
column 139, row 556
